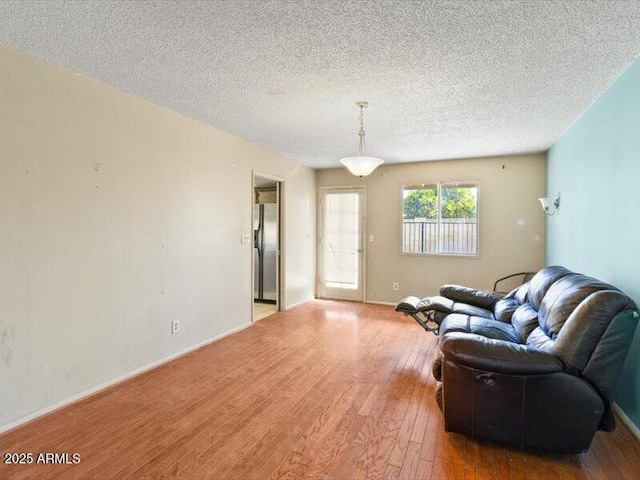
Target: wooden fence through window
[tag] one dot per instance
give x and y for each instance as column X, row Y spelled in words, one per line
column 457, row 236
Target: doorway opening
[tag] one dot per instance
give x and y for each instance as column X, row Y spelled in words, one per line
column 266, row 246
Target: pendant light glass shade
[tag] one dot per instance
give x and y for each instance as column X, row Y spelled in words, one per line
column 361, row 165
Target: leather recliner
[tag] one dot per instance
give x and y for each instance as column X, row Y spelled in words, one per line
column 464, row 300
column 541, row 373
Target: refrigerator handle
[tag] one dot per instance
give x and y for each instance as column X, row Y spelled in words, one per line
column 258, row 240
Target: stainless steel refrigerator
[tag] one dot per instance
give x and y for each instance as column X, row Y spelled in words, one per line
column 265, row 254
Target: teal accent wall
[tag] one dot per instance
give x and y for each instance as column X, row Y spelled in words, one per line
column 596, row 167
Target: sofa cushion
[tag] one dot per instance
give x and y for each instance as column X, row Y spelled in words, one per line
column 466, row 309
column 562, row 299
column 481, row 326
column 538, row 339
column 521, row 293
column 542, row 281
column 503, row 309
column 524, row 321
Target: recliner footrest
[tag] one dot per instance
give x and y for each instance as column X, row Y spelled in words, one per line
column 408, row 305
column 413, row 304
column 421, row 312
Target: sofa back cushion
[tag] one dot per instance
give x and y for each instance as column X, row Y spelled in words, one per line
column 521, row 293
column 542, row 281
column 563, row 298
column 503, row 309
column 524, row 321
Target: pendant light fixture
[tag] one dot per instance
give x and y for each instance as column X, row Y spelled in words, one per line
column 361, row 165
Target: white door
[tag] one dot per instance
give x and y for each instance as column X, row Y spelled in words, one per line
column 341, row 255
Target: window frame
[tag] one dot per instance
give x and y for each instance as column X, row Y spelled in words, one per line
column 439, row 185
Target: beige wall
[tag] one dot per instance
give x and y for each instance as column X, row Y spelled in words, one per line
column 116, row 217
column 511, row 224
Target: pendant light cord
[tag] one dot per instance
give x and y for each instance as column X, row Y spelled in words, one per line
column 361, row 143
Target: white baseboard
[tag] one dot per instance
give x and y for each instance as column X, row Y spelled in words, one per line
column 297, row 304
column 114, row 381
column 380, row 303
column 626, row 421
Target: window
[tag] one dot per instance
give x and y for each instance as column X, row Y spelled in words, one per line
column 440, row 218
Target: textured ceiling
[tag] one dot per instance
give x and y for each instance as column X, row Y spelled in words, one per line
column 444, row 79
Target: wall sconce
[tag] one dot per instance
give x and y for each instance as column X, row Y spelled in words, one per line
column 550, row 205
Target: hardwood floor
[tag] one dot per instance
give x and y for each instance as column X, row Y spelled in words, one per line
column 331, row 390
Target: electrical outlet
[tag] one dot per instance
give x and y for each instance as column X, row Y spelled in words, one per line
column 396, row 286
column 175, row 326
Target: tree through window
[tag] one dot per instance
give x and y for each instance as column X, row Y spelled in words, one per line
column 440, row 218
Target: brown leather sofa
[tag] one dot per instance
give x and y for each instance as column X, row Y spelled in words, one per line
column 537, row 369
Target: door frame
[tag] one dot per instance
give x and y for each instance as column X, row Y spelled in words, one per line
column 363, row 233
column 280, row 275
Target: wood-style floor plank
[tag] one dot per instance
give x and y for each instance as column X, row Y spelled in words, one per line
column 327, row 390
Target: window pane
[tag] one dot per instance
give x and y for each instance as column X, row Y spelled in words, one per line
column 420, row 219
column 459, row 219
column 440, row 218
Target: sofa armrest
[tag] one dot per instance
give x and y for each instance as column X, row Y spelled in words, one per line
column 479, row 298
column 498, row 356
